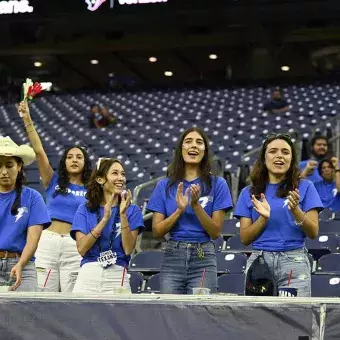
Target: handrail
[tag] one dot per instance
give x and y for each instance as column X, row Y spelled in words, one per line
column 139, row 187
column 320, row 125
column 335, row 141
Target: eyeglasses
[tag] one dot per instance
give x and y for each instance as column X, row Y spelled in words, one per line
column 100, row 159
column 278, row 135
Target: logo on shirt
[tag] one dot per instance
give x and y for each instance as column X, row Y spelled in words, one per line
column 93, row 5
column 285, row 202
column 20, row 213
column 335, row 191
column 118, row 229
column 203, row 201
column 74, row 192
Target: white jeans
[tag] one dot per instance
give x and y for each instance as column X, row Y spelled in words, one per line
column 93, row 278
column 57, row 254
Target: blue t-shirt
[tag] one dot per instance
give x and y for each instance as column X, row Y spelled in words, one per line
column 63, row 207
column 13, row 229
column 329, row 195
column 85, row 220
column 280, row 232
column 188, row 228
column 314, row 176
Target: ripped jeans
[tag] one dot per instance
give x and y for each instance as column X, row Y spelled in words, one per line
column 280, row 265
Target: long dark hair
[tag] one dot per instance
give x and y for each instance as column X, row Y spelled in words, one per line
column 95, row 192
column 63, row 179
column 176, row 170
column 259, row 173
column 321, row 163
column 20, row 181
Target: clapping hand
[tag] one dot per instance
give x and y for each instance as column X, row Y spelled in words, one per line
column 293, row 199
column 262, row 207
column 182, row 200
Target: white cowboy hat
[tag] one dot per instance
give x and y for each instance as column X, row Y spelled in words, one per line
column 10, row 149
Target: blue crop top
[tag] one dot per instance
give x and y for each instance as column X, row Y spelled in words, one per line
column 64, row 207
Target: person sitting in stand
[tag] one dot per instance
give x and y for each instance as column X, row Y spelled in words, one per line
column 277, row 104
column 328, row 187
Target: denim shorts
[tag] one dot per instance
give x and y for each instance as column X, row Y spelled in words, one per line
column 282, row 263
column 29, row 275
column 182, row 270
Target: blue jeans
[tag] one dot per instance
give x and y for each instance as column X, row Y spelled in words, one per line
column 29, row 275
column 280, row 265
column 182, row 270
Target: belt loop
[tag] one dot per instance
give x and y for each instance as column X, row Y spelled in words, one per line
column 261, row 253
column 177, row 244
column 6, row 255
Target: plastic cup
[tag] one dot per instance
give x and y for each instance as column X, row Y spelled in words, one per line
column 122, row 290
column 4, row 289
column 288, row 292
column 201, row 291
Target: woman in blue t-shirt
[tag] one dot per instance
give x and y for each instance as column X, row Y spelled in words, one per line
column 190, row 205
column 106, row 230
column 277, row 211
column 23, row 215
column 328, row 187
column 57, row 258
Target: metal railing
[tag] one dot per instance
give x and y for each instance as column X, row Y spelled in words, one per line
column 332, row 123
column 146, row 217
column 335, row 144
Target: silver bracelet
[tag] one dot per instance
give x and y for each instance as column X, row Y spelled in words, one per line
column 300, row 223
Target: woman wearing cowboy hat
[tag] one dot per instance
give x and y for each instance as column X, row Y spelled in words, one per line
column 23, row 215
column 57, row 255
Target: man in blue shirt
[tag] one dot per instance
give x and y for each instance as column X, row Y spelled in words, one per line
column 277, row 104
column 309, row 168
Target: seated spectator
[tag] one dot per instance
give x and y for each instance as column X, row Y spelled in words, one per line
column 309, row 168
column 100, row 117
column 277, row 104
column 109, row 118
column 94, row 112
column 328, row 187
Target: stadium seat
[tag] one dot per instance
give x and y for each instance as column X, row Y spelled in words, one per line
column 153, row 284
column 322, row 244
column 231, row 227
column 147, row 261
column 329, row 264
column 136, row 282
column 219, row 244
column 234, row 244
column 325, row 286
column 231, row 263
column 329, row 227
column 231, row 283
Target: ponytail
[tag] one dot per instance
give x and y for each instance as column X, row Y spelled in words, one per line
column 21, row 180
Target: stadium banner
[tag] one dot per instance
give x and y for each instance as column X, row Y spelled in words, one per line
column 51, row 316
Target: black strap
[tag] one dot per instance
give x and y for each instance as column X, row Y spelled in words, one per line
column 113, row 229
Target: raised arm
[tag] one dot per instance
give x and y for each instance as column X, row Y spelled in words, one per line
column 45, row 169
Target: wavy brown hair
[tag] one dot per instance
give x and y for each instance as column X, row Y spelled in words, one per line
column 95, row 192
column 63, row 176
column 259, row 173
column 176, row 170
